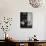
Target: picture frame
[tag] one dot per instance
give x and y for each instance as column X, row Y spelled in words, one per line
column 26, row 19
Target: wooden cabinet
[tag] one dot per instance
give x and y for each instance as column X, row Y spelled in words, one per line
column 22, row 43
column 26, row 43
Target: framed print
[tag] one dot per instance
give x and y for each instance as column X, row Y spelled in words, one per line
column 26, row 19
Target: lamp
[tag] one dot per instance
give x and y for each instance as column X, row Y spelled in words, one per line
column 36, row 3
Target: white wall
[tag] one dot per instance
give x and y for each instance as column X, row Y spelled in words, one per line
column 12, row 8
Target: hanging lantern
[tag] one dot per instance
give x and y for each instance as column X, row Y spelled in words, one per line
column 35, row 3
